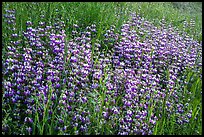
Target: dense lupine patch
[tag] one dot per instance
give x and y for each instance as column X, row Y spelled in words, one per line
column 126, row 82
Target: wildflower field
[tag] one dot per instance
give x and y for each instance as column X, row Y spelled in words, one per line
column 101, row 68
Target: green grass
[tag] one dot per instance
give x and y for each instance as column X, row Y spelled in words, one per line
column 82, row 13
column 174, row 13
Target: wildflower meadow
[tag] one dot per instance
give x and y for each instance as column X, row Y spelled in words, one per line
column 101, row 68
